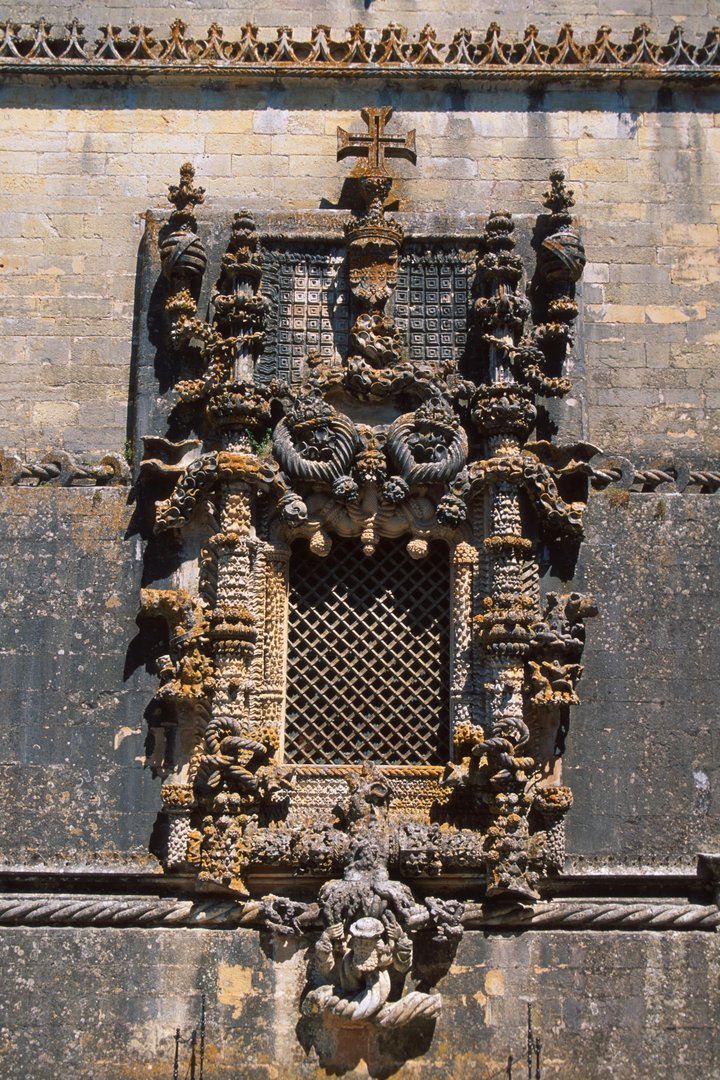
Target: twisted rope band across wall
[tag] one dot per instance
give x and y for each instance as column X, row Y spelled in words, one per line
column 675, row 476
column 217, row 914
column 60, row 469
column 598, row 915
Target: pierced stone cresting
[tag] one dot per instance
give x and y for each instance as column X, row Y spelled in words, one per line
column 480, row 53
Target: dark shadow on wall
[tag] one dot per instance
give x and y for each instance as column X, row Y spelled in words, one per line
column 623, row 98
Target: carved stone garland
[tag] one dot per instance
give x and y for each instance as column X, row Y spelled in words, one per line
column 454, row 465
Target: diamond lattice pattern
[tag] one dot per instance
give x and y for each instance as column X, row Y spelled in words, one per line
column 368, row 656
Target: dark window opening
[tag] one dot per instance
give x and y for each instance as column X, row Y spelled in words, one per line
column 368, row 656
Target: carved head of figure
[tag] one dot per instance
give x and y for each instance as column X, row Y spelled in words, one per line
column 368, row 798
column 369, row 951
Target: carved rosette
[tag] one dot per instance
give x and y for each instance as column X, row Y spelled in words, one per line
column 448, row 459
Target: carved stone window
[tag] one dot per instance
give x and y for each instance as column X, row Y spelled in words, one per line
column 368, row 656
column 367, row 686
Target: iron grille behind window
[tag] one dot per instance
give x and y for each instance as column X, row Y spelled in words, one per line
column 368, row 656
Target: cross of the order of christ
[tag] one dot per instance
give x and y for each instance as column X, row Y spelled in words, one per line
column 376, row 145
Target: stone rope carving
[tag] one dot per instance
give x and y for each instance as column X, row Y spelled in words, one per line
column 485, row 54
column 61, row 468
column 23, row 909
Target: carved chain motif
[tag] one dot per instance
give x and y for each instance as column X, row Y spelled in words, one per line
column 373, row 446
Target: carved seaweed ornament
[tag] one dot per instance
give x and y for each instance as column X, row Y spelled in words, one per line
column 372, row 448
column 44, row 46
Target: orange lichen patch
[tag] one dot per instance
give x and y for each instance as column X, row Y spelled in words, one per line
column 234, row 985
column 495, row 983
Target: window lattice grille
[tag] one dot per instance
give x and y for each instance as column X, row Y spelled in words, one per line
column 368, row 656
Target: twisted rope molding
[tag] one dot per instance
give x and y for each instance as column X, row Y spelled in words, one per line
column 600, row 915
column 621, row 472
column 63, row 470
column 44, row 46
column 218, row 914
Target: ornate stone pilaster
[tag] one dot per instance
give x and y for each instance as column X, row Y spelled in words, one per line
column 232, row 624
column 503, row 414
column 273, row 572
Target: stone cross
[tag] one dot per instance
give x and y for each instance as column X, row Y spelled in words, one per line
column 376, row 145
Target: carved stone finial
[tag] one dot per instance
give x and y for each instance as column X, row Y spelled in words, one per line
column 374, row 240
column 181, row 250
column 185, row 196
column 559, row 199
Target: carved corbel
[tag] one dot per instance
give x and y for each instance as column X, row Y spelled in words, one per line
column 557, row 643
column 367, row 916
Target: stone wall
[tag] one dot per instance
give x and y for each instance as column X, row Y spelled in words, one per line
column 82, row 162
column 621, row 1005
column 81, row 165
column 73, row 775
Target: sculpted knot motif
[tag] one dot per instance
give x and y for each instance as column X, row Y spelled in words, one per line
column 315, row 443
column 427, row 446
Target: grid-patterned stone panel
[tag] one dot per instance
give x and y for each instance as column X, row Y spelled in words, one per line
column 309, row 309
column 431, row 303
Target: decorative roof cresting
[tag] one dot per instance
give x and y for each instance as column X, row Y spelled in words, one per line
column 476, row 53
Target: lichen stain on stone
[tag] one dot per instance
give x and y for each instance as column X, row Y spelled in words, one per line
column 113, row 601
column 661, row 510
column 618, row 497
column 234, row 985
column 495, row 983
column 461, row 969
column 123, row 734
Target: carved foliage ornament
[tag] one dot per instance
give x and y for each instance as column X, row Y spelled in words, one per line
column 375, row 447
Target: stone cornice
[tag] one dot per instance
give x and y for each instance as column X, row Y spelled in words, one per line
column 471, row 54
